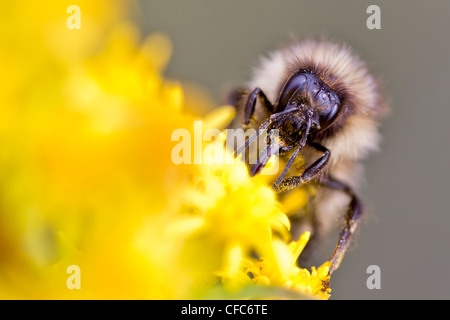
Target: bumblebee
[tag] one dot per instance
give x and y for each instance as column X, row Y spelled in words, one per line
column 326, row 106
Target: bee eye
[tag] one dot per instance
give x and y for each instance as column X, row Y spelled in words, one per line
column 305, row 88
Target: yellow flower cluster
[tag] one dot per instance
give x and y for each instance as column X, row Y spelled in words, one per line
column 87, row 180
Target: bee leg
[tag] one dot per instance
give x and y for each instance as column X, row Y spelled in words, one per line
column 309, row 173
column 255, row 135
column 249, row 110
column 352, row 218
column 287, row 167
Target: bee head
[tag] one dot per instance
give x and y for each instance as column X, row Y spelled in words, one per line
column 316, row 102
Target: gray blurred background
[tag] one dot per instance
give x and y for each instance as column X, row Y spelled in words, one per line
column 406, row 184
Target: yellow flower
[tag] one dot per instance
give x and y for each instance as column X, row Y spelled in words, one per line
column 84, row 155
column 282, row 270
column 87, row 178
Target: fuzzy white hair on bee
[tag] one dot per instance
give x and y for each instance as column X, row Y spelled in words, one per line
column 326, row 105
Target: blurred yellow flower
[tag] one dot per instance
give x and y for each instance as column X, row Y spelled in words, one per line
column 288, row 274
column 87, row 179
